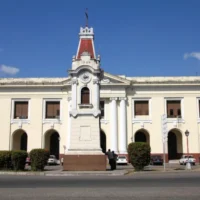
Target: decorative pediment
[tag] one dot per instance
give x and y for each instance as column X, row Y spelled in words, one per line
column 109, row 79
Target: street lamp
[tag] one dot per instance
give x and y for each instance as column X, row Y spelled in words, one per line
column 187, row 133
column 188, row 165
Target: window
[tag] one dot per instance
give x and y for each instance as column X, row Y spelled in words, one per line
column 52, row 110
column 141, row 107
column 85, row 96
column 174, row 108
column 21, row 110
column 102, row 107
column 179, row 112
column 199, row 108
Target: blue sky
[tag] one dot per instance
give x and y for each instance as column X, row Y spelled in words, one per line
column 134, row 38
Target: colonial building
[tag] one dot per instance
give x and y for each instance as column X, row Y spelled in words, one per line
column 107, row 111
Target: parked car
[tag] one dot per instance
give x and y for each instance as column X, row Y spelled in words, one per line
column 28, row 161
column 52, row 160
column 187, row 158
column 156, row 160
column 121, row 160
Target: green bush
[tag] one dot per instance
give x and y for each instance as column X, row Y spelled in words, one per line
column 139, row 154
column 19, row 159
column 5, row 160
column 39, row 159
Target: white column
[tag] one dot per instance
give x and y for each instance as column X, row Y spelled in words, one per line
column 69, row 125
column 96, row 94
column 113, row 124
column 123, row 129
column 74, row 93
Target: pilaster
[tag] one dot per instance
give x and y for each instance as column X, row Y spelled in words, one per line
column 123, row 128
column 113, row 124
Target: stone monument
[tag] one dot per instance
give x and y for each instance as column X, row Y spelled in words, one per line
column 84, row 152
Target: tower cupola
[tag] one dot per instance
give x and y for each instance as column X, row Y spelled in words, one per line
column 86, row 43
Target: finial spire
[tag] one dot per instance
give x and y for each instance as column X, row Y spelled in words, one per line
column 86, row 15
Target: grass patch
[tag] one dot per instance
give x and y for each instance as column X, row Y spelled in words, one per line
column 179, row 169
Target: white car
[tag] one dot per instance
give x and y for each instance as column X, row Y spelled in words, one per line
column 52, row 160
column 122, row 160
column 184, row 159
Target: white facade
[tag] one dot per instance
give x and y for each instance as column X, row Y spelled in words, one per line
column 120, row 122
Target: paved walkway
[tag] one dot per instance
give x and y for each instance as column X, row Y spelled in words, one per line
column 58, row 171
column 120, row 171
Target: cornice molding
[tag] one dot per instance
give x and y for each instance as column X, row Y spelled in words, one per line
column 75, row 113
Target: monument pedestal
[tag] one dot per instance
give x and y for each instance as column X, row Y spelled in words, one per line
column 84, row 152
column 84, row 162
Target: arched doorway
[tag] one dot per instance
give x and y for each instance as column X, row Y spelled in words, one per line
column 175, row 148
column 142, row 136
column 52, row 142
column 103, row 141
column 19, row 140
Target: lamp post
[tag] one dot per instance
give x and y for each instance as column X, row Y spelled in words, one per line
column 188, row 165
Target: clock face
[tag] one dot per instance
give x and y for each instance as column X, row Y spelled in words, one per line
column 85, row 77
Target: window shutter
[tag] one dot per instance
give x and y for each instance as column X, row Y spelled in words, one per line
column 21, row 110
column 85, row 96
column 199, row 108
column 56, row 111
column 52, row 109
column 141, row 108
column 137, row 108
column 49, row 110
column 173, row 108
column 17, row 110
column 24, row 108
column 145, row 108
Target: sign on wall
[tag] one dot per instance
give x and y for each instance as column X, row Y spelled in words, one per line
column 164, row 128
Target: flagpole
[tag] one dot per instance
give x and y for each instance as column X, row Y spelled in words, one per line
column 86, row 15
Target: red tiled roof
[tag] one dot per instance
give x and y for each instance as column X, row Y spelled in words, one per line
column 86, row 45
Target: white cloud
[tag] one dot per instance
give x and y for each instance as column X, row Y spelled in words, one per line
column 192, row 55
column 9, row 70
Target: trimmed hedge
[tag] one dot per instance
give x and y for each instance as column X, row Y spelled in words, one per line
column 139, row 154
column 5, row 160
column 39, row 159
column 19, row 159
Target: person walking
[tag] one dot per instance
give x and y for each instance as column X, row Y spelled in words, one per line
column 110, row 158
column 114, row 160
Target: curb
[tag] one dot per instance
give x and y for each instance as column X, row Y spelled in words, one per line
column 95, row 173
column 62, row 174
column 23, row 173
column 159, row 172
column 86, row 174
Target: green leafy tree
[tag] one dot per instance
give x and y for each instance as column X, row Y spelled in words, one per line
column 39, row 159
column 5, row 160
column 18, row 159
column 139, row 154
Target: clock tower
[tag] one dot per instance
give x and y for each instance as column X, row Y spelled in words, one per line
column 83, row 149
